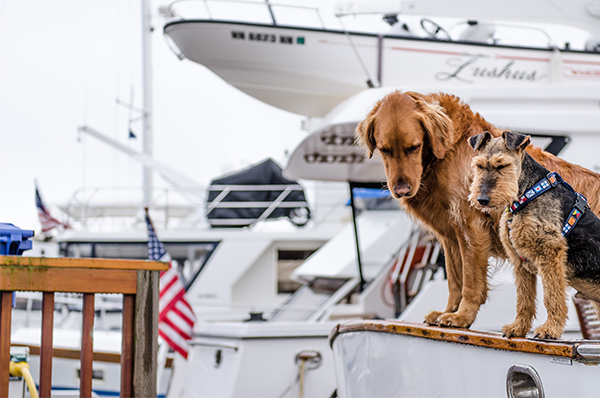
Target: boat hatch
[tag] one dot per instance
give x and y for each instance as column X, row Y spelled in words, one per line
column 253, row 195
column 522, row 381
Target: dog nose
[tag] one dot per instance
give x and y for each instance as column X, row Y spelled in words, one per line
column 483, row 200
column 401, row 189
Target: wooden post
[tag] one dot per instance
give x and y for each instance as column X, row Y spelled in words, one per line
column 127, row 346
column 146, row 335
column 46, row 347
column 5, row 319
column 87, row 346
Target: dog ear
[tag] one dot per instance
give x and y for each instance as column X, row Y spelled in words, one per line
column 437, row 125
column 516, row 141
column 365, row 131
column 478, row 142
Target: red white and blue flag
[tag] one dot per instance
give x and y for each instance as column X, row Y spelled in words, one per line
column 48, row 221
column 176, row 317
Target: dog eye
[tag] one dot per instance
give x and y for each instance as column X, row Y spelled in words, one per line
column 412, row 149
column 385, row 151
column 499, row 167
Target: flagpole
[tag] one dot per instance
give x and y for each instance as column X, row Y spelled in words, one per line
column 147, row 147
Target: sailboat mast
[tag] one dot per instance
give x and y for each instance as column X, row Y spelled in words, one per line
column 147, row 141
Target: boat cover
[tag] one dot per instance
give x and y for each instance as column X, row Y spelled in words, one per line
column 255, row 193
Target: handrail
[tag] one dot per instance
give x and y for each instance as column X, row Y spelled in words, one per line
column 267, row 3
column 136, row 280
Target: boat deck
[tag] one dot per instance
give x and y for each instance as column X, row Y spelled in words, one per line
column 575, row 349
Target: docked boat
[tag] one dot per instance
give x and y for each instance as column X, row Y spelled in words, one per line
column 310, row 70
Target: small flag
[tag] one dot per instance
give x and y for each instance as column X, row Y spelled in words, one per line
column 176, row 317
column 48, row 221
column 132, row 135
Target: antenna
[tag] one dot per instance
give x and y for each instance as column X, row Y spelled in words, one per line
column 147, row 101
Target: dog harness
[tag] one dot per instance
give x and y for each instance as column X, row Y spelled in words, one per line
column 549, row 182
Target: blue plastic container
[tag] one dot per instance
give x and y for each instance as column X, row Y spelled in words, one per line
column 14, row 240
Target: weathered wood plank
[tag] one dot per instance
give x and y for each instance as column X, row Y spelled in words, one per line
column 87, row 346
column 127, row 346
column 145, row 358
column 463, row 336
column 5, row 320
column 45, row 350
column 92, row 263
column 76, row 280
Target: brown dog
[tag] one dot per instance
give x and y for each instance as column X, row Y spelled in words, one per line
column 546, row 229
column 423, row 142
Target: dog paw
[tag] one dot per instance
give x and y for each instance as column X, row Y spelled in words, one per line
column 432, row 317
column 455, row 320
column 514, row 330
column 547, row 332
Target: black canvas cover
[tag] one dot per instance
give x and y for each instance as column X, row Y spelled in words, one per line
column 267, row 172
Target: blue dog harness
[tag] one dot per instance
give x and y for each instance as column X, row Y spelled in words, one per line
column 549, row 182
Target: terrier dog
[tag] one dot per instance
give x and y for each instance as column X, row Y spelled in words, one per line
column 547, row 229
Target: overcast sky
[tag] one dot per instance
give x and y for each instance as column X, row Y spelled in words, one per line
column 64, row 63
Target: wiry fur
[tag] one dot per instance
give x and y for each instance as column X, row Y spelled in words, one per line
column 534, row 242
column 427, row 159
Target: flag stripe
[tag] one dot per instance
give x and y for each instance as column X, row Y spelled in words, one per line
column 179, row 324
column 181, row 315
column 176, row 317
column 185, row 309
column 175, row 341
column 47, row 221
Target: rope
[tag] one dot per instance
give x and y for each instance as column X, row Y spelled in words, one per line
column 301, row 376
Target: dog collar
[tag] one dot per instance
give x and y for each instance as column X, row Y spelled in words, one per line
column 549, row 182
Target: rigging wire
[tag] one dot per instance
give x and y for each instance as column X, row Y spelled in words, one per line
column 371, row 82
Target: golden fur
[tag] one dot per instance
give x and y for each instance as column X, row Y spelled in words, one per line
column 423, row 142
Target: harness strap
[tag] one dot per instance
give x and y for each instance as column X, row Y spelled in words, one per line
column 576, row 212
column 549, row 182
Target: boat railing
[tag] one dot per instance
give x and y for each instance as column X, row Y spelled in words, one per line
column 136, row 280
column 108, row 209
column 263, row 11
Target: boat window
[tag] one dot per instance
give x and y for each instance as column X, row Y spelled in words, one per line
column 189, row 258
column 306, row 300
column 287, row 262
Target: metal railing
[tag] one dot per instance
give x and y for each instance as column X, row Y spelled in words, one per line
column 268, row 7
column 109, row 209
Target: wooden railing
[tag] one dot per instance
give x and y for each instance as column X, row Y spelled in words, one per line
column 136, row 280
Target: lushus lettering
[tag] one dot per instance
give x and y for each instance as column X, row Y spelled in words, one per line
column 468, row 70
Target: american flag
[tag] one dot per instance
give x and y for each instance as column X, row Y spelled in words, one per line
column 48, row 221
column 176, row 318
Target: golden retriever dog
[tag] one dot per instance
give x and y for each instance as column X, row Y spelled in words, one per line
column 422, row 140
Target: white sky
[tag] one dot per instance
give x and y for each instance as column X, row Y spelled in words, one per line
column 63, row 64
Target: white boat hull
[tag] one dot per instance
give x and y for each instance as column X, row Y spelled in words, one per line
column 309, row 71
column 380, row 364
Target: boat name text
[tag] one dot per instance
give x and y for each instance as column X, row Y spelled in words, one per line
column 318, row 158
column 468, row 70
column 267, row 37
